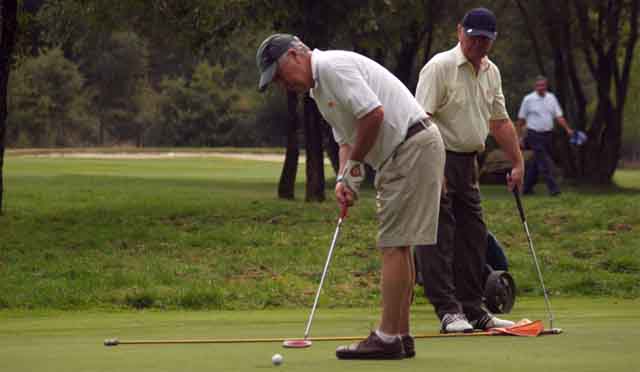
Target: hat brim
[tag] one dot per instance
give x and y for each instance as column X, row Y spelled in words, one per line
column 267, row 76
column 477, row 32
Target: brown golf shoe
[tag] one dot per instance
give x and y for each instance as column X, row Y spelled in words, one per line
column 409, row 346
column 371, row 348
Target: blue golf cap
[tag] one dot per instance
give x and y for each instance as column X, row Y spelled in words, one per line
column 480, row 22
column 267, row 56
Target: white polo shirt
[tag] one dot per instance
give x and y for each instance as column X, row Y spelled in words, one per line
column 348, row 86
column 539, row 111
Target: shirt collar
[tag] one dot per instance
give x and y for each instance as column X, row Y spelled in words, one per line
column 314, row 67
column 461, row 59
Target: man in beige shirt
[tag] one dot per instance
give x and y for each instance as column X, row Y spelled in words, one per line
column 462, row 91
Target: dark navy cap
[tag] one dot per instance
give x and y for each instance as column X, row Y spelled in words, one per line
column 267, row 56
column 480, row 22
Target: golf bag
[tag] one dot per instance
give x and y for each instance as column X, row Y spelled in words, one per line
column 500, row 289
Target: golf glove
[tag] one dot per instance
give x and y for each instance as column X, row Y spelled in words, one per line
column 352, row 176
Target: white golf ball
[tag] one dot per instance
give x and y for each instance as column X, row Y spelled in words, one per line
column 276, row 359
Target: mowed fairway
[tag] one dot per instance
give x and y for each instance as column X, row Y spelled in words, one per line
column 600, row 335
column 202, row 248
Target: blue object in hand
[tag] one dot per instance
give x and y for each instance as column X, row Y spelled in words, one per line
column 578, row 138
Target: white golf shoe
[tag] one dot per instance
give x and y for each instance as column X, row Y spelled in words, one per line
column 490, row 321
column 455, row 323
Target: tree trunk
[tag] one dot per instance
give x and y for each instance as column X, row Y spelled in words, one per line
column 535, row 43
column 604, row 149
column 333, row 150
column 314, row 153
column 406, row 57
column 314, row 28
column 100, row 132
column 557, row 33
column 433, row 12
column 9, row 22
column 286, row 187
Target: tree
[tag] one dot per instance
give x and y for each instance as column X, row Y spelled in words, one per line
column 592, row 44
column 9, row 26
column 117, row 69
column 198, row 112
column 49, row 106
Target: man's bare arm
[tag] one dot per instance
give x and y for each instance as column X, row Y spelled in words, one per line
column 368, row 128
column 563, row 123
column 521, row 125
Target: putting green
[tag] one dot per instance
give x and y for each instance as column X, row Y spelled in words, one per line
column 600, row 334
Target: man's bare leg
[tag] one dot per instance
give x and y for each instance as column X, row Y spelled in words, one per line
column 404, row 321
column 397, row 279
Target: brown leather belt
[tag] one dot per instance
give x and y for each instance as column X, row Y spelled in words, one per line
column 456, row 153
column 416, row 128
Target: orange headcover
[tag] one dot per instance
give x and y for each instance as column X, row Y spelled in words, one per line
column 528, row 329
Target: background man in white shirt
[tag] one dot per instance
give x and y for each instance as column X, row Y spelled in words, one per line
column 375, row 119
column 538, row 111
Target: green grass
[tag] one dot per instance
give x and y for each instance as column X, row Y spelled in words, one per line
column 627, row 178
column 600, row 335
column 129, row 149
column 209, row 233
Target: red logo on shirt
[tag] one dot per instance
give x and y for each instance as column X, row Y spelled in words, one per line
column 355, row 172
column 331, row 104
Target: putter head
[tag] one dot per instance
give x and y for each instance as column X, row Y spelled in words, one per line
column 111, row 342
column 296, row 343
column 552, row 331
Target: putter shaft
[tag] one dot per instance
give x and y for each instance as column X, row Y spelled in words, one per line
column 324, row 274
column 535, row 257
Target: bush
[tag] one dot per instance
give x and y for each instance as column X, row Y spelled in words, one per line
column 202, row 298
column 47, row 103
column 140, row 299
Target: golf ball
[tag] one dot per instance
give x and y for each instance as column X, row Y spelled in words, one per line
column 276, row 359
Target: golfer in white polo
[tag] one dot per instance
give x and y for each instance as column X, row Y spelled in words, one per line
column 375, row 119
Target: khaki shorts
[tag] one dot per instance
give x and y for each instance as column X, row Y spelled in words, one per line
column 408, row 191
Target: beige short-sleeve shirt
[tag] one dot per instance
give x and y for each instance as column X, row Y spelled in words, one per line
column 460, row 101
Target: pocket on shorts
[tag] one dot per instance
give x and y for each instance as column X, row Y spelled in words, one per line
column 392, row 173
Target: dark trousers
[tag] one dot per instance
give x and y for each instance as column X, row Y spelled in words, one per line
column 540, row 143
column 453, row 269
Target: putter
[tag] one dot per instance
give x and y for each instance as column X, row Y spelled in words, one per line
column 305, row 342
column 535, row 261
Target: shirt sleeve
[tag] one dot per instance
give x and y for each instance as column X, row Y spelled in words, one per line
column 350, row 89
column 499, row 108
column 338, row 136
column 522, row 113
column 431, row 89
column 557, row 110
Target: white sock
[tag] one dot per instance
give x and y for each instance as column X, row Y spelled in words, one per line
column 387, row 339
